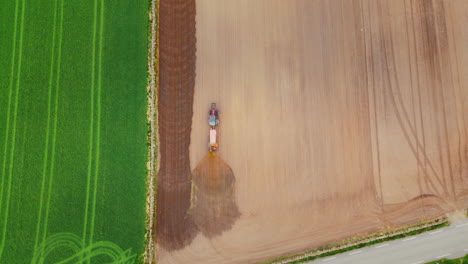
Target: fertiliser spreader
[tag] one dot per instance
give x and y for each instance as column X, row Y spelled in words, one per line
column 213, row 122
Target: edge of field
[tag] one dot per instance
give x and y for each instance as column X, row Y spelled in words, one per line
column 153, row 139
column 361, row 241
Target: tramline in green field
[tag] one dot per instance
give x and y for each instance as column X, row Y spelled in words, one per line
column 73, row 131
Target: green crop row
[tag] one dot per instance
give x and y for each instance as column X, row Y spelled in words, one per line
column 73, row 130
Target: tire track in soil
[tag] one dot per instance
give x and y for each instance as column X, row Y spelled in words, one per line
column 432, row 51
column 454, row 94
column 372, row 108
column 91, row 122
column 49, row 109
column 411, row 38
column 442, row 49
column 402, row 116
column 54, row 135
column 386, row 57
column 12, row 152
column 98, row 125
column 434, row 32
column 177, row 79
column 10, row 93
column 413, row 108
column 424, row 165
column 58, row 242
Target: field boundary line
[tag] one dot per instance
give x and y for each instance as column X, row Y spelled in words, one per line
column 91, row 121
column 46, row 151
column 12, row 152
column 54, row 135
column 12, row 71
column 149, row 253
column 98, row 126
column 360, row 242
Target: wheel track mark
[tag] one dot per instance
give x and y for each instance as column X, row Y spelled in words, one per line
column 432, row 39
column 74, row 243
column 397, row 112
column 54, row 135
column 407, row 136
column 417, row 143
column 444, row 110
column 423, row 135
column 12, row 152
column 91, row 124
column 377, row 140
column 405, row 115
column 57, row 240
column 12, row 71
column 422, row 148
column 392, row 96
column 462, row 102
column 46, row 151
column 460, row 138
column 98, row 127
column 373, row 99
column 440, row 22
column 413, row 96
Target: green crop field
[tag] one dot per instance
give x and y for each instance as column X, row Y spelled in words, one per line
column 73, row 145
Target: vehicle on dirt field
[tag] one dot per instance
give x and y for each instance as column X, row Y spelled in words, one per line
column 213, row 121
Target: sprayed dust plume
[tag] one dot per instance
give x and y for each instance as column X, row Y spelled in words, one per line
column 213, row 208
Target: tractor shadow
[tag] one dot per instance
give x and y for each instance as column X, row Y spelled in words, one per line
column 213, row 208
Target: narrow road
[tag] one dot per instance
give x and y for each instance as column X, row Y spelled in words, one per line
column 448, row 242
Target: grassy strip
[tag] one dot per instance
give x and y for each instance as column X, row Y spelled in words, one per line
column 462, row 260
column 152, row 133
column 360, row 242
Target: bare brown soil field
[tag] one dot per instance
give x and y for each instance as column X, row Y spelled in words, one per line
column 338, row 118
column 176, row 85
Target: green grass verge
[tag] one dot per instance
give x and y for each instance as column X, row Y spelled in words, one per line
column 152, row 130
column 462, row 260
column 73, row 130
column 371, row 238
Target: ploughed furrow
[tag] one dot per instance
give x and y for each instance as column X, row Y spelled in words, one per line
column 176, row 88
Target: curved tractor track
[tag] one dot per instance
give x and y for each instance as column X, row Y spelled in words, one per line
column 339, row 118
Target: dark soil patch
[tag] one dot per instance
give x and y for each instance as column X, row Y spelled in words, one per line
column 214, row 209
column 177, row 74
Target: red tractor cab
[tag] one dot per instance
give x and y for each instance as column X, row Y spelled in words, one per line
column 214, row 119
column 213, row 122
